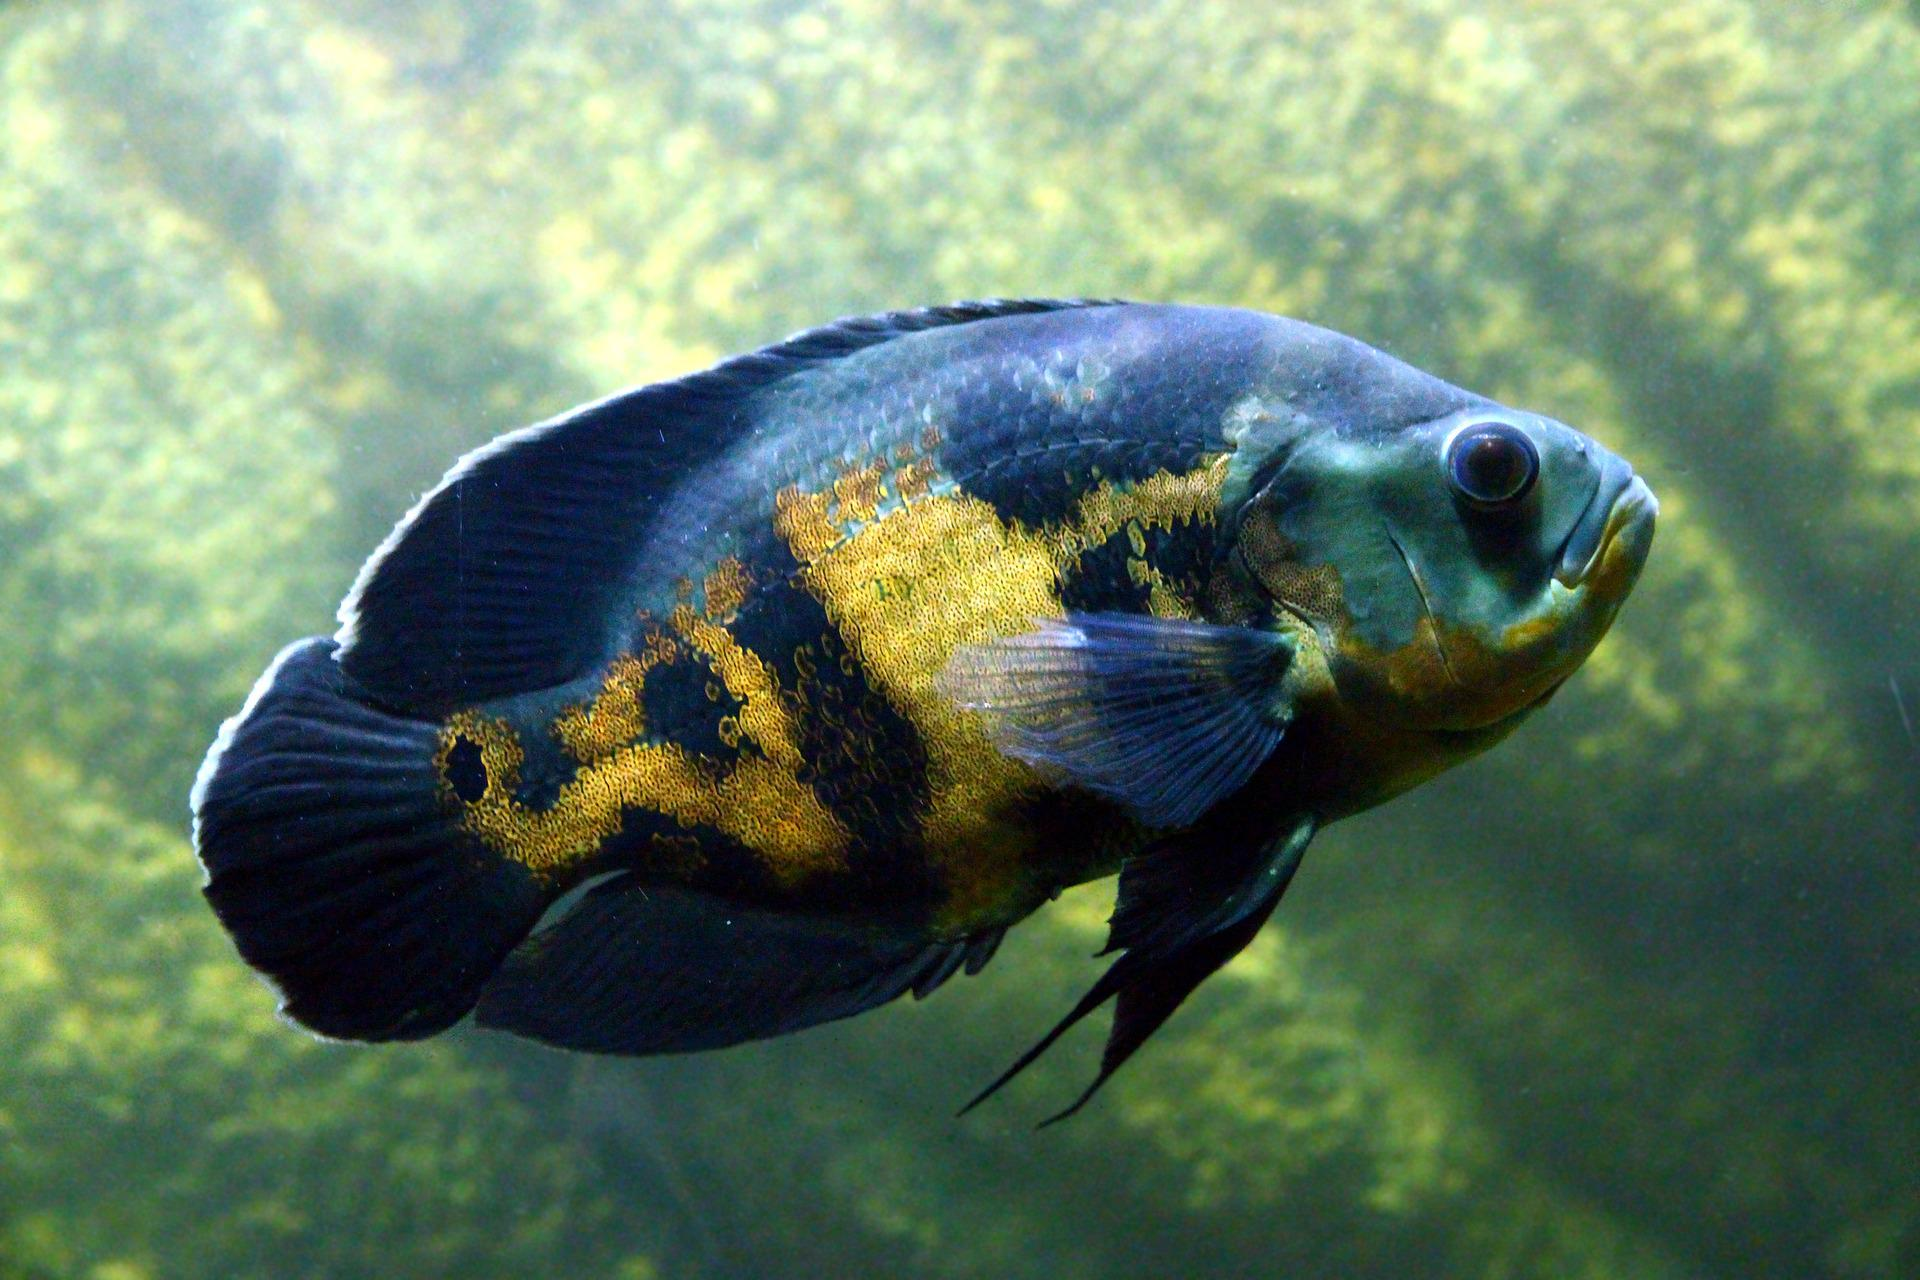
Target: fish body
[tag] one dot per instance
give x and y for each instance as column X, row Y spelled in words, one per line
column 796, row 682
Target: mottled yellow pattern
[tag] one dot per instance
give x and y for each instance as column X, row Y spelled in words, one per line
column 752, row 683
column 908, row 588
column 809, row 523
column 756, row 801
column 1312, row 590
column 904, row 592
column 726, row 588
column 500, row 753
column 858, row 492
column 616, row 717
column 914, row 478
column 1165, row 599
column 903, row 589
column 1165, row 500
column 802, row 521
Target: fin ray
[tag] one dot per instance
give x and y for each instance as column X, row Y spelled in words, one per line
column 1173, row 936
column 639, row 970
column 1166, row 716
column 335, row 866
column 1145, row 1003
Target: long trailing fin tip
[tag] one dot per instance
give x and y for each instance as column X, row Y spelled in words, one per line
column 1074, row 1109
column 1102, row 991
column 1166, row 955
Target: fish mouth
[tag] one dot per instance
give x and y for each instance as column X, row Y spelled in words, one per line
column 1622, row 506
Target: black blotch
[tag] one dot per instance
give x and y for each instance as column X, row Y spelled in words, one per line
column 867, row 764
column 722, row 866
column 1032, row 450
column 863, row 759
column 466, row 771
column 1082, row 835
column 1102, row 581
column 1186, row 553
column 685, row 702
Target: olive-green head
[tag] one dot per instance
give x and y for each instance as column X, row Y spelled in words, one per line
column 1457, row 568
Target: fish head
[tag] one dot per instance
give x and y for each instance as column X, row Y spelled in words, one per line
column 1456, row 569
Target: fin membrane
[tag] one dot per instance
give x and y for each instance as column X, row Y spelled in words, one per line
column 333, row 862
column 639, row 970
column 1165, row 716
column 1178, row 940
column 1187, row 887
column 513, row 573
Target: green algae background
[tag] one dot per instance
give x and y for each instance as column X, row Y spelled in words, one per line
column 1636, row 996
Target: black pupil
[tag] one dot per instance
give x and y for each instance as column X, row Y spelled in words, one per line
column 466, row 771
column 1491, row 465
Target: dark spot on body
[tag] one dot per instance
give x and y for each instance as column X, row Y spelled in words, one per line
column 687, row 703
column 466, row 771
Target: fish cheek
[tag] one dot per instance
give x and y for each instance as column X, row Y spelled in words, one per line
column 1407, row 683
column 1449, row 677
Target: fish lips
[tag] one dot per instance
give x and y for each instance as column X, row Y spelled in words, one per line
column 1622, row 507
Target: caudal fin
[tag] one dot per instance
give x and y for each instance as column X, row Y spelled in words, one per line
column 337, row 866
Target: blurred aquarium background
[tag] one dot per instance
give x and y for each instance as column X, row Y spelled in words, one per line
column 1638, row 995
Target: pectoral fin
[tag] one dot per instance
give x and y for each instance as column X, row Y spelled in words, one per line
column 1166, row 716
column 1184, row 912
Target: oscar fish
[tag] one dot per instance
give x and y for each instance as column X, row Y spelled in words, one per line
column 735, row 704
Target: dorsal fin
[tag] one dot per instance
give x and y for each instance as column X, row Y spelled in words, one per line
column 503, row 579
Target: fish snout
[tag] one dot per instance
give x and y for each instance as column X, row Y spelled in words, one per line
column 1617, row 524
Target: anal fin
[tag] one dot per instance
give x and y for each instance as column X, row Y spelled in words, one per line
column 633, row 969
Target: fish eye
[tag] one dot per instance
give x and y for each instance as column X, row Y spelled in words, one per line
column 1492, row 464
